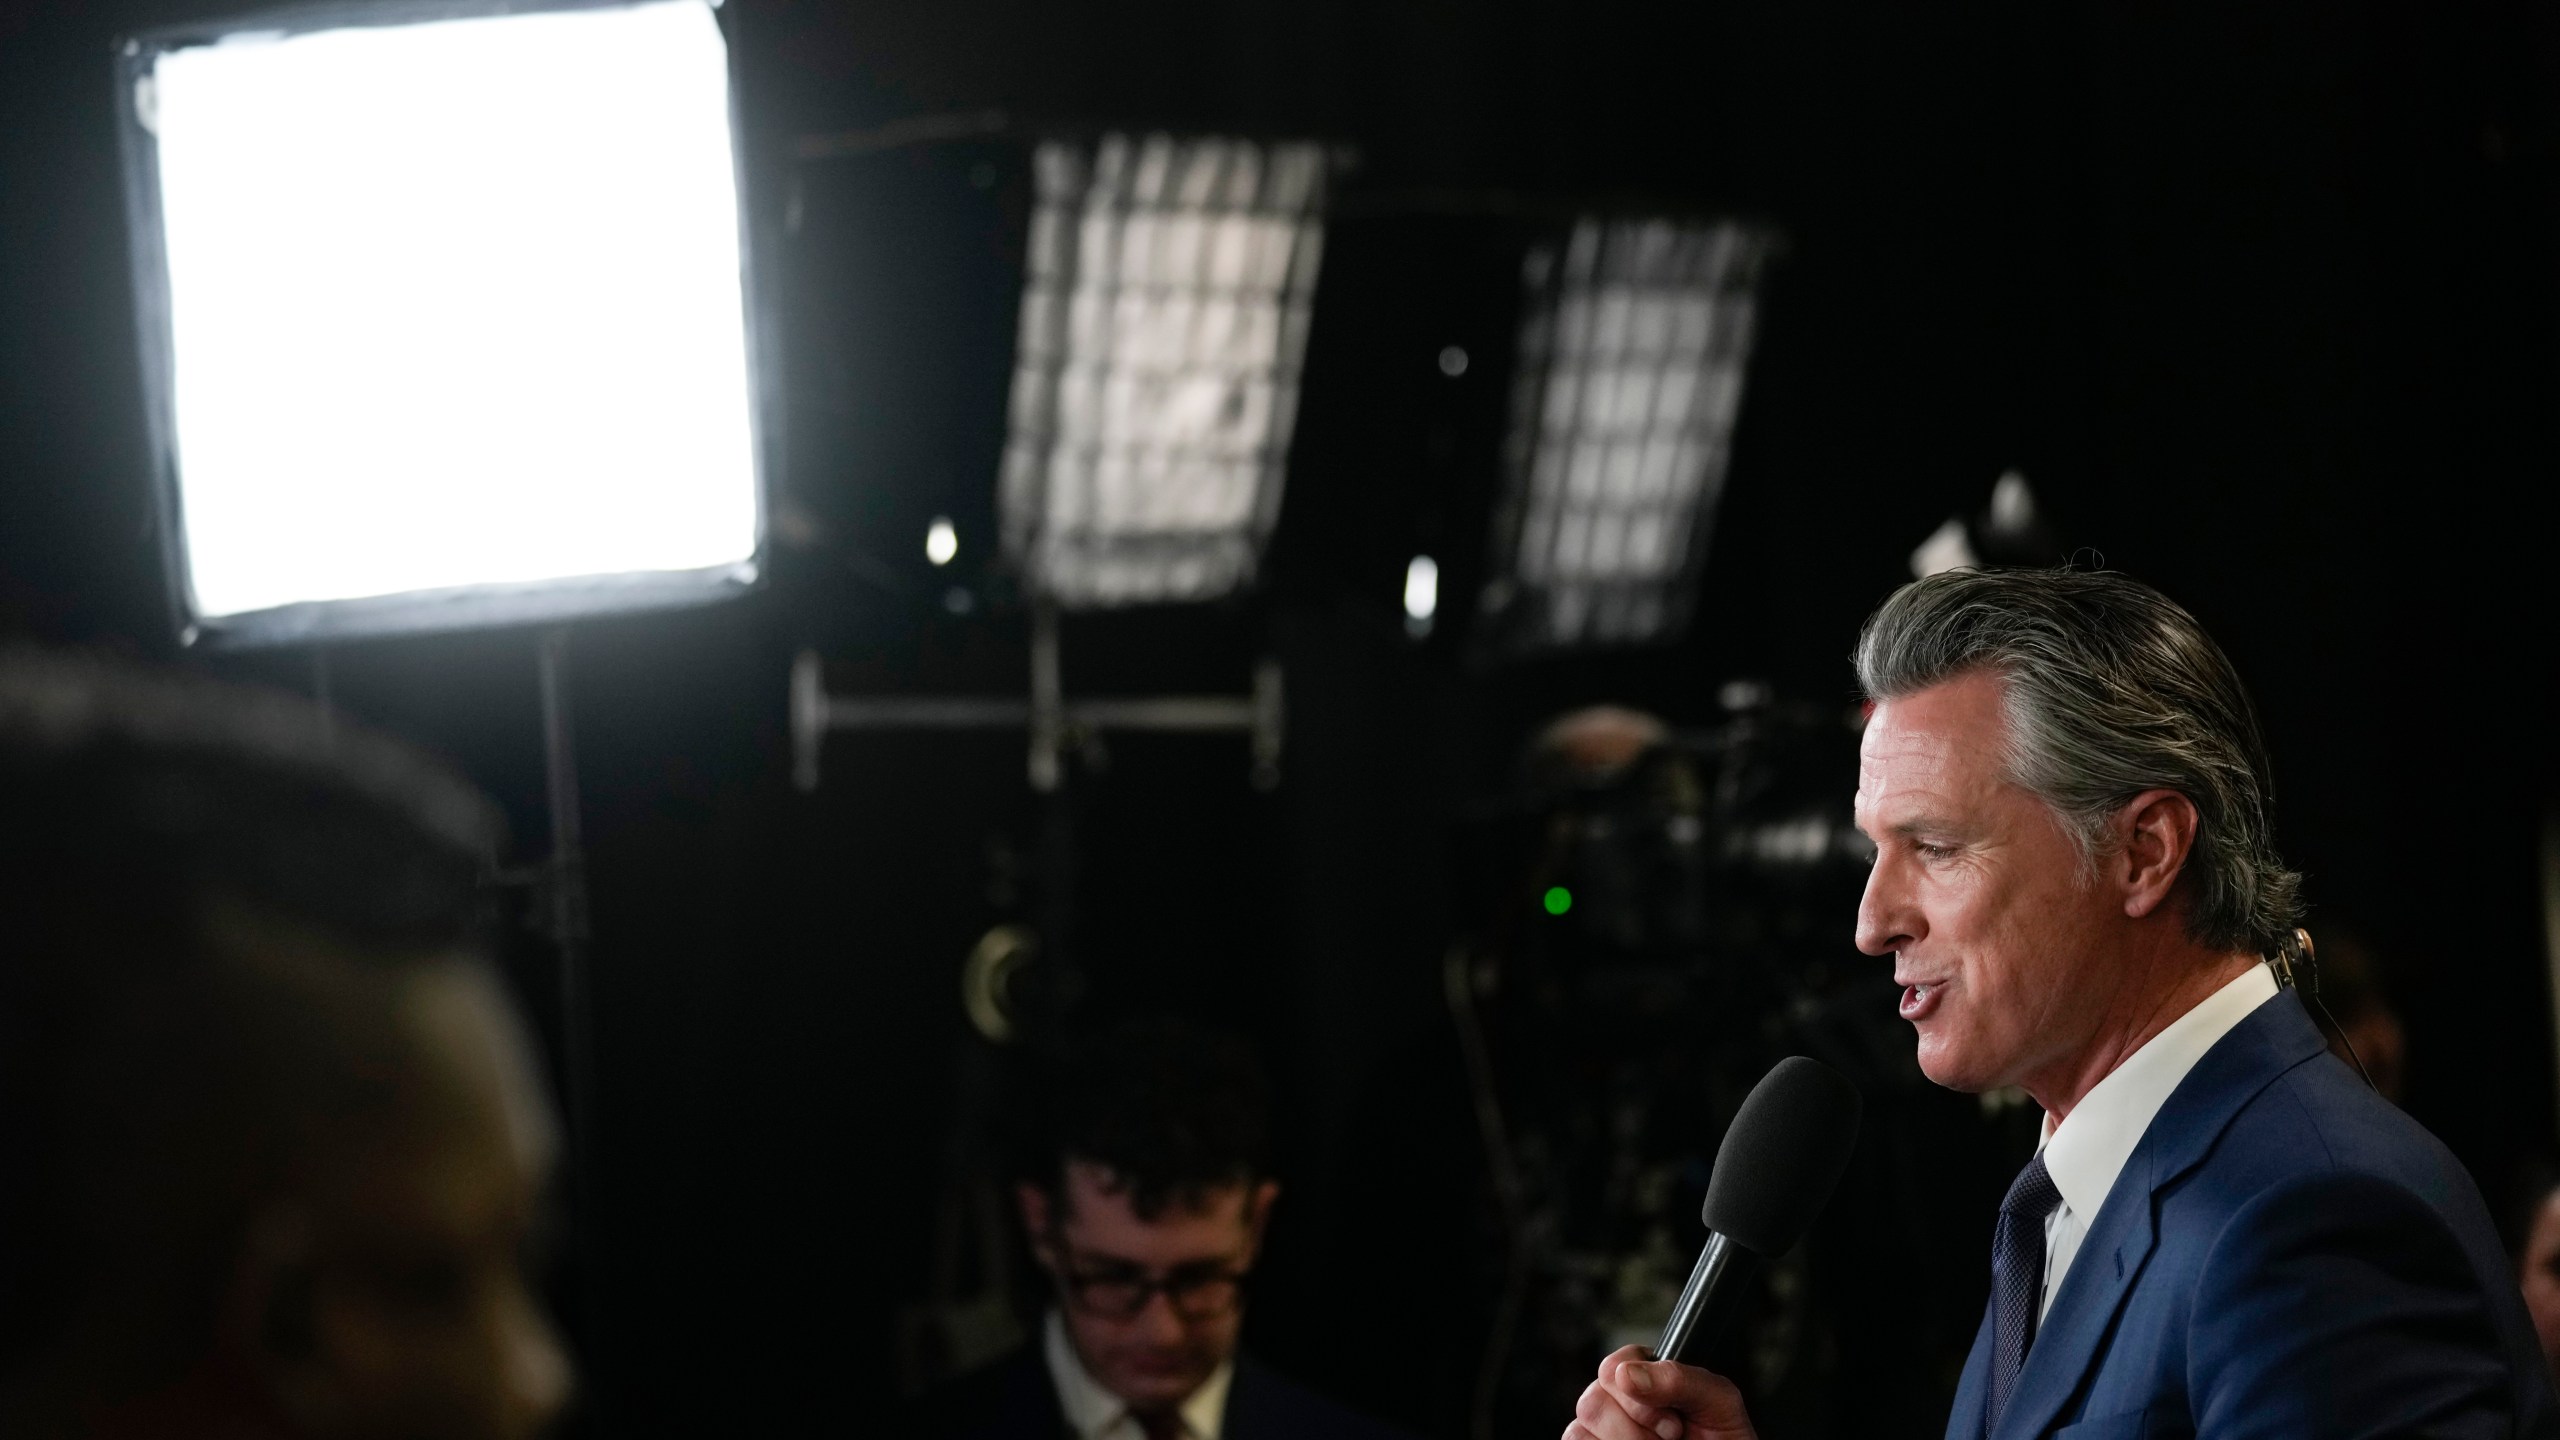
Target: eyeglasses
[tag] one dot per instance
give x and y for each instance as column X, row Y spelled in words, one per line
column 1204, row 1290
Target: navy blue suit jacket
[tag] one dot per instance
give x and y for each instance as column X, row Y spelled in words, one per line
column 1013, row 1400
column 2285, row 1254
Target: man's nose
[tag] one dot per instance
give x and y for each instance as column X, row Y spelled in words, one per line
column 1159, row 1321
column 1887, row 918
column 538, row 1376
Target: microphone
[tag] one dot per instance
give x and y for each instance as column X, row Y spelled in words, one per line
column 1779, row 1163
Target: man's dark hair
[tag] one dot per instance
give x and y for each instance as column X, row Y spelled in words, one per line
column 1170, row 1110
column 211, row 897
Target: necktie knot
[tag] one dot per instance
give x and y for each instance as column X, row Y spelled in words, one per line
column 2032, row 1195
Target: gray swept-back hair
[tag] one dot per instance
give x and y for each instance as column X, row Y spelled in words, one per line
column 2110, row 690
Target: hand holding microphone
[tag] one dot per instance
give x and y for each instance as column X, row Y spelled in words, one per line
column 1639, row 1398
column 1778, row 1165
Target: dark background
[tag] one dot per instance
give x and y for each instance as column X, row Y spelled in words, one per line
column 2260, row 297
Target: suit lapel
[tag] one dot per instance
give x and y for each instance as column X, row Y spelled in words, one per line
column 1966, row 1417
column 2276, row 1037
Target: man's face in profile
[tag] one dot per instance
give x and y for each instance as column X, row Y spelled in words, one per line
column 1978, row 893
column 403, row 1298
column 1152, row 1305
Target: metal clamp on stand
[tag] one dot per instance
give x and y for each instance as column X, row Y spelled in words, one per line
column 1054, row 721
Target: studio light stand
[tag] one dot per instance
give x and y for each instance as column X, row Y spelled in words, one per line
column 563, row 892
column 1056, row 723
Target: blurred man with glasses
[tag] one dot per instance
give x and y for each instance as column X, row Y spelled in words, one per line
column 1144, row 1185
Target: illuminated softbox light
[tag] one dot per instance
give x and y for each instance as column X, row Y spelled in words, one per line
column 444, row 319
column 1628, row 380
column 1164, row 325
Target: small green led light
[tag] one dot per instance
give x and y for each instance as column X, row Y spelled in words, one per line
column 1558, row 900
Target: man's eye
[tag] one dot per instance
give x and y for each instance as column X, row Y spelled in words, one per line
column 1932, row 852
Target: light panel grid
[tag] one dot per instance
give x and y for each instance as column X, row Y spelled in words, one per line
column 1632, row 349
column 1164, row 327
column 451, row 306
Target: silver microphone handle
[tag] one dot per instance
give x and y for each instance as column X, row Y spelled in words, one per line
column 1713, row 1261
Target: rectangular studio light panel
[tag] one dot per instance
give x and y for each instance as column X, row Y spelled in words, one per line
column 1164, row 325
column 1629, row 376
column 444, row 319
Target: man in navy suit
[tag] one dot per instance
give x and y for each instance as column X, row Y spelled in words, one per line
column 1145, row 1189
column 2224, row 1232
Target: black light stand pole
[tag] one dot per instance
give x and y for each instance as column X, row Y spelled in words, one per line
column 566, row 891
column 1053, row 781
column 565, row 899
column 322, row 702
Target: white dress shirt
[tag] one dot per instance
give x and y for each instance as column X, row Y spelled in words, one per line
column 1096, row 1414
column 2086, row 1152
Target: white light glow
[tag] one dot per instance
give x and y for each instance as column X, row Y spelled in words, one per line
column 941, row 541
column 455, row 304
column 1628, row 382
column 1421, row 589
column 1947, row 548
column 1164, row 324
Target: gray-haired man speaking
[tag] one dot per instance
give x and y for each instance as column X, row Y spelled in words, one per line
column 2223, row 1233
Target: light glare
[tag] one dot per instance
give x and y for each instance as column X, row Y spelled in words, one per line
column 941, row 541
column 1164, row 323
column 1632, row 349
column 455, row 304
column 1421, row 589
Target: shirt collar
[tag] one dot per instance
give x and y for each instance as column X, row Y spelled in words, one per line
column 2087, row 1151
column 1091, row 1410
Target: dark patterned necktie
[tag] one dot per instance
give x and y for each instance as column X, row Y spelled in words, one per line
column 2017, row 1281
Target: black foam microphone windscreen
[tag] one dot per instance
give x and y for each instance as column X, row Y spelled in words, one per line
column 1779, row 1163
column 1783, row 1156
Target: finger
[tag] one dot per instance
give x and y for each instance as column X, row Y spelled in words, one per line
column 1608, row 1418
column 1706, row 1398
column 1612, row 1365
column 1579, row 1431
column 1646, row 1416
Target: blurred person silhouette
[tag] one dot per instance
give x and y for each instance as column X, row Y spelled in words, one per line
column 274, row 1143
column 1144, row 1186
column 2533, row 1237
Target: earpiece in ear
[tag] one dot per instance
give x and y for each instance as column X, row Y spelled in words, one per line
column 2294, row 955
column 2300, row 951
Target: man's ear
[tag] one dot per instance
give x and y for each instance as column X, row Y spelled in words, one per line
column 2157, row 829
column 1257, row 1213
column 1035, row 1206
